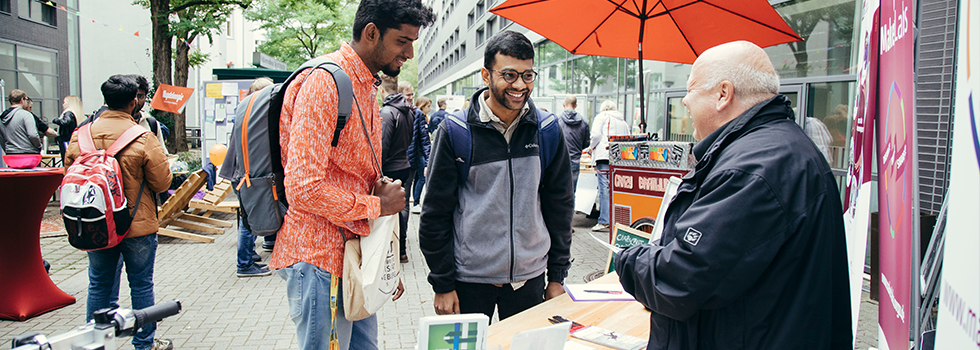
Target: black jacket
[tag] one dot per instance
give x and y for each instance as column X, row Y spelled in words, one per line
column 396, row 133
column 753, row 251
column 510, row 220
column 576, row 131
column 437, row 118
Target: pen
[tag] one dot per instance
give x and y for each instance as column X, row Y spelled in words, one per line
column 603, row 291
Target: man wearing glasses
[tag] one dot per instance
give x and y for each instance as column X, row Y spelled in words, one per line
column 490, row 239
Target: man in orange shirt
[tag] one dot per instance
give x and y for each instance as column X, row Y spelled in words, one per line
column 332, row 191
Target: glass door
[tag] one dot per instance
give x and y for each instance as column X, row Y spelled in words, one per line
column 680, row 126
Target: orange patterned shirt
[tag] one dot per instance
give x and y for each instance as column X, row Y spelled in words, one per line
column 327, row 187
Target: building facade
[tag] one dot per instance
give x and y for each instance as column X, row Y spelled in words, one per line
column 39, row 54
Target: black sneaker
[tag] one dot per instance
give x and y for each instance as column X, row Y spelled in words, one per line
column 253, row 271
column 268, row 245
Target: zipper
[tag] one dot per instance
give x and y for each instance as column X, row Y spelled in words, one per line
column 510, row 171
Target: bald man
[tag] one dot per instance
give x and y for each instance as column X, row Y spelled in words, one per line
column 753, row 250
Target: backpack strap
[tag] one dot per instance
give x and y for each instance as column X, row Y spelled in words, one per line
column 85, row 142
column 548, row 136
column 461, row 140
column 131, row 134
column 246, row 178
column 345, row 90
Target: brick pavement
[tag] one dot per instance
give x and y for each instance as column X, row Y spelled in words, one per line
column 222, row 311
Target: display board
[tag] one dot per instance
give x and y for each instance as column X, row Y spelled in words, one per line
column 220, row 98
column 959, row 300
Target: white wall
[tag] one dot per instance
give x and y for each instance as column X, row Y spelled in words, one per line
column 106, row 51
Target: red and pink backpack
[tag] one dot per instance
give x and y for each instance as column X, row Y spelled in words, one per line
column 93, row 203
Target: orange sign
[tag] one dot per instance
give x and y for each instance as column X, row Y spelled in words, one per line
column 171, row 98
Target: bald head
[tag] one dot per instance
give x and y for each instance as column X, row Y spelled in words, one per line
column 742, row 63
column 727, row 80
column 570, row 102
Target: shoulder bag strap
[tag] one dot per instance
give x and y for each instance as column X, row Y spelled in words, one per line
column 85, row 142
column 130, row 135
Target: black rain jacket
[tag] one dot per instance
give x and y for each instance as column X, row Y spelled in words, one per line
column 753, row 251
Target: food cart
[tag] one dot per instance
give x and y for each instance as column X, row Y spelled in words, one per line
column 639, row 173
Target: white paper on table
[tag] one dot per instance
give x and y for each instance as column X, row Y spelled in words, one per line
column 572, row 345
column 551, row 337
column 229, row 89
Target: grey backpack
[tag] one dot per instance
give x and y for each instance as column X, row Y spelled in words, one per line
column 258, row 175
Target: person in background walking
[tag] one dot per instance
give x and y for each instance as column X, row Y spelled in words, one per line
column 438, row 116
column 609, row 122
column 69, row 120
column 247, row 260
column 418, row 151
column 576, row 131
column 396, row 136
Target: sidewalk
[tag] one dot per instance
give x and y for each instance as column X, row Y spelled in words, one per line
column 222, row 311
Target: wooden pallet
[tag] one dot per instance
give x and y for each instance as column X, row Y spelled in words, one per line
column 214, row 201
column 172, row 213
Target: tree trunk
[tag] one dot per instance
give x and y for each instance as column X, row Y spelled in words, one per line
column 181, row 68
column 162, row 52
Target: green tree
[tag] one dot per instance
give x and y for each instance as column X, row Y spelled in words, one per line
column 804, row 15
column 596, row 70
column 185, row 20
column 299, row 30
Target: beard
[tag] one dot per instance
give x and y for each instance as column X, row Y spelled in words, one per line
column 388, row 69
column 500, row 94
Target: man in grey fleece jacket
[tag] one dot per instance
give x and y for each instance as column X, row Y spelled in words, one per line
column 18, row 133
column 490, row 237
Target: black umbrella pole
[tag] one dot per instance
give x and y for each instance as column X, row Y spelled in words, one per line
column 643, row 115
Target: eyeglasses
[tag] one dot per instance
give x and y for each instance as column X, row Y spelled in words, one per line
column 141, row 96
column 511, row 75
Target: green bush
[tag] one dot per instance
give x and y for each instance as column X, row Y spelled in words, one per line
column 192, row 159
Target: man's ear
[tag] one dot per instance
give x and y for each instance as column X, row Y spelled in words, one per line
column 486, row 75
column 726, row 95
column 371, row 33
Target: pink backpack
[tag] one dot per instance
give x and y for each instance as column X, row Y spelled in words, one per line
column 93, row 203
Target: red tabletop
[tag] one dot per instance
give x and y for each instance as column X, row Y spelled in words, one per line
column 27, row 290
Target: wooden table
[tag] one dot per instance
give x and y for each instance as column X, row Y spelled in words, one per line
column 628, row 317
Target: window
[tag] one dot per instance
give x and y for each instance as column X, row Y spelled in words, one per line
column 503, row 23
column 34, row 71
column 479, row 36
column 490, row 23
column 480, row 9
column 37, row 11
column 5, row 6
column 470, row 19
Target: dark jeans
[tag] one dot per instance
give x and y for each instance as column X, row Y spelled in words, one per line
column 417, row 186
column 246, row 246
column 405, row 175
column 482, row 298
column 575, row 170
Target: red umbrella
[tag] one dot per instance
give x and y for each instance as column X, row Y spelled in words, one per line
column 668, row 30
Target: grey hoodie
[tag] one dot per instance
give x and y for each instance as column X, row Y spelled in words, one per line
column 576, row 131
column 18, row 133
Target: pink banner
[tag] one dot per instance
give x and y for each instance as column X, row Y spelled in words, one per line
column 896, row 188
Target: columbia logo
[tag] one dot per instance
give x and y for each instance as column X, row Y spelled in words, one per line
column 530, row 145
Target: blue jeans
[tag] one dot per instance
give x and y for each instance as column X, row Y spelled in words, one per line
column 575, row 170
column 417, row 186
column 308, row 293
column 246, row 246
column 603, row 192
column 138, row 254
